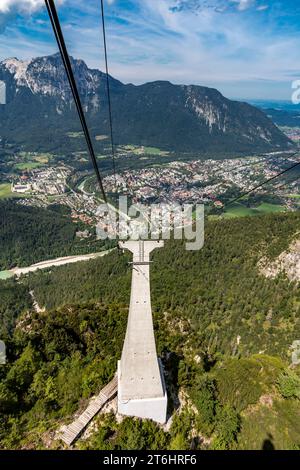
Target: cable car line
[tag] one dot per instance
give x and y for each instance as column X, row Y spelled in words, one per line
column 53, row 16
column 264, row 158
column 108, row 90
column 261, row 185
column 67, row 64
column 288, row 182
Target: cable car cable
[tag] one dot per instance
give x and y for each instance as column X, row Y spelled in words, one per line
column 67, row 64
column 108, row 90
column 261, row 185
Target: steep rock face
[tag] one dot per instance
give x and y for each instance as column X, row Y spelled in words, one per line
column 177, row 117
column 46, row 76
column 288, row 262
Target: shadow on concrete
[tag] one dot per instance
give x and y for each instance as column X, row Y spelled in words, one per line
column 171, row 365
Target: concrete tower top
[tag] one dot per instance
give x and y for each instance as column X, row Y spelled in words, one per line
column 141, row 249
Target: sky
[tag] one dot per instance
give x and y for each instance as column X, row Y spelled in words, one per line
column 247, row 49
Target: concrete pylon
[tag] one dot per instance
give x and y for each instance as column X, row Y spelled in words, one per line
column 141, row 387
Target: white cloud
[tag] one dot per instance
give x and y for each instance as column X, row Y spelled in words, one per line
column 20, row 6
column 262, row 7
column 24, row 6
column 230, row 51
column 219, row 6
column 244, row 4
column 9, row 9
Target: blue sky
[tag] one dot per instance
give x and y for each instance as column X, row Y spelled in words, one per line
column 245, row 48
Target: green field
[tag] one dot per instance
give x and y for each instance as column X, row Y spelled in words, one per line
column 27, row 165
column 266, row 208
column 144, row 150
column 30, row 158
column 238, row 210
column 152, row 150
column 155, row 151
column 5, row 190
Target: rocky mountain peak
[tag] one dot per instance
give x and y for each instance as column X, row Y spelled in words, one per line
column 180, row 117
column 16, row 67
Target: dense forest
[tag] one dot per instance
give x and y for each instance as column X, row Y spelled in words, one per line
column 14, row 300
column 223, row 332
column 219, row 288
column 23, row 241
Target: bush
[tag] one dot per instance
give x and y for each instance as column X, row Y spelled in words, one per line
column 288, row 384
column 241, row 382
column 182, row 424
column 203, row 395
column 179, row 442
column 135, row 434
column 227, row 428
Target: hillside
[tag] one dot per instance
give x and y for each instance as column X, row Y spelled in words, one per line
column 284, row 118
column 223, row 330
column 24, row 242
column 287, row 263
column 173, row 117
column 219, row 288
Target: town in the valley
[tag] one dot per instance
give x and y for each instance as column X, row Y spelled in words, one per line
column 45, row 179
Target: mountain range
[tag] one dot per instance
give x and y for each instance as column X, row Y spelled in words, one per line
column 40, row 112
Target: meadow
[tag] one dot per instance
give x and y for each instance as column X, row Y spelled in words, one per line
column 5, row 190
column 239, row 210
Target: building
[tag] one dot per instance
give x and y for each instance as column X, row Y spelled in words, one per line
column 20, row 188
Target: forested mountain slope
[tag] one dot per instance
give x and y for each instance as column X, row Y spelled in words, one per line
column 223, row 331
column 174, row 117
column 29, row 235
column 219, row 288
